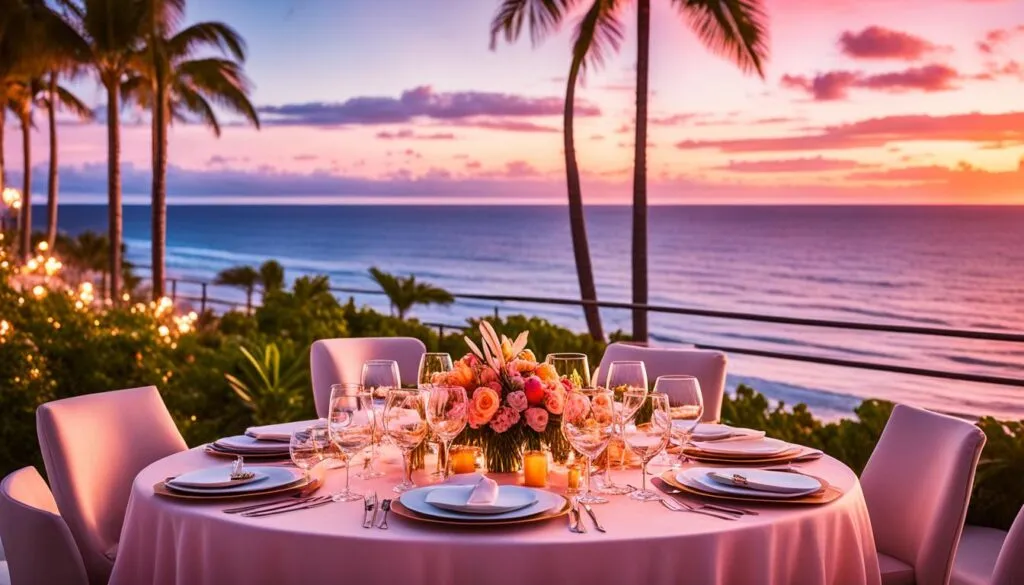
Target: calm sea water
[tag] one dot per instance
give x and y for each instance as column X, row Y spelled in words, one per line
column 933, row 266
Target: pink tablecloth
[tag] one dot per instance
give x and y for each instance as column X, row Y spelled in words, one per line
column 168, row 542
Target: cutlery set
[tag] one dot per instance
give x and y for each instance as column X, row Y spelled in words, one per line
column 371, row 506
column 576, row 518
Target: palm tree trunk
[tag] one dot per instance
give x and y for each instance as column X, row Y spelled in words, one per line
column 26, row 194
column 248, row 300
column 577, row 220
column 51, row 199
column 643, row 19
column 114, row 218
column 159, row 202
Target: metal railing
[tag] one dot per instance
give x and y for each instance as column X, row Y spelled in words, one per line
column 204, row 299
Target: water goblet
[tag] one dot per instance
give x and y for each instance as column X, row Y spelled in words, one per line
column 625, row 377
column 687, row 407
column 304, row 451
column 404, row 424
column 350, row 424
column 647, row 439
column 378, row 377
column 588, row 423
column 447, row 410
column 573, row 366
column 432, row 364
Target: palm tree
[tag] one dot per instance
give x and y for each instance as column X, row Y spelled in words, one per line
column 245, row 277
column 58, row 97
column 177, row 85
column 405, row 292
column 734, row 29
column 543, row 16
column 271, row 276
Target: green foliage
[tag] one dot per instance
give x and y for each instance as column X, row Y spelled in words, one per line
column 404, row 292
column 306, row 313
column 274, row 392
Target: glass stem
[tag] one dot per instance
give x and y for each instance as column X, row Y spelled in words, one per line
column 447, row 467
column 347, row 470
column 439, row 467
column 407, row 466
column 586, row 488
column 643, row 477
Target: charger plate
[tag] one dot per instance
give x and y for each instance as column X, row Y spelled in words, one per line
column 210, row 449
column 302, row 485
column 826, row 494
column 698, row 455
column 400, row 510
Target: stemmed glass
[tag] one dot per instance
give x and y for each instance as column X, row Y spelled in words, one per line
column 403, row 422
column 379, row 376
column 430, row 365
column 687, row 406
column 304, row 451
column 648, row 439
column 588, row 423
column 573, row 366
column 350, row 423
column 623, row 378
column 447, row 409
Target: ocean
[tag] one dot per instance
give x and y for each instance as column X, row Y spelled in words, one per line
column 959, row 267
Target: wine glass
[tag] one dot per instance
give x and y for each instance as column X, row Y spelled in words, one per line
column 379, row 376
column 332, row 457
column 403, row 422
column 647, row 439
column 350, row 423
column 447, row 409
column 687, row 406
column 623, row 378
column 430, row 365
column 572, row 366
column 304, row 451
column 588, row 423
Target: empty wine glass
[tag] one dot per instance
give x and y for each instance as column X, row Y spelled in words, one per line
column 379, row 376
column 404, row 424
column 588, row 423
column 628, row 377
column 447, row 409
column 573, row 366
column 304, row 451
column 350, row 423
column 647, row 439
column 331, row 456
column 687, row 407
column 432, row 364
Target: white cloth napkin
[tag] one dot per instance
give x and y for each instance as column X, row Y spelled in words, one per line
column 485, row 489
column 245, row 444
column 281, row 432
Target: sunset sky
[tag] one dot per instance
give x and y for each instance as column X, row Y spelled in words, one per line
column 864, row 101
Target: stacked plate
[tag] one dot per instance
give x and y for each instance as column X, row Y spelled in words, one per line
column 748, row 451
column 719, row 432
column 757, row 484
column 216, row 483
column 447, row 504
column 248, row 447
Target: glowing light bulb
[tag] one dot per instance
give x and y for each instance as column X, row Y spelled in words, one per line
column 39, row 291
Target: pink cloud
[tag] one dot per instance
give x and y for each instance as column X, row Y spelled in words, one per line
column 507, row 125
column 407, row 134
column 791, row 165
column 875, row 42
column 835, row 85
column 520, row 168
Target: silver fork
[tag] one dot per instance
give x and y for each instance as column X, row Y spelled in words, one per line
column 728, row 509
column 677, row 506
column 385, row 507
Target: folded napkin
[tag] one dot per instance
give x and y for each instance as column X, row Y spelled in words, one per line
column 244, row 444
column 281, row 432
column 484, row 492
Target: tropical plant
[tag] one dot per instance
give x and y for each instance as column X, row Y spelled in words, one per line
column 404, row 292
column 734, row 29
column 272, row 384
column 543, row 16
column 244, row 277
column 271, row 276
column 177, row 85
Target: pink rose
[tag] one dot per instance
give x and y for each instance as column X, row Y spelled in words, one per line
column 537, row 419
column 471, row 360
column 505, row 419
column 517, row 400
column 494, row 385
column 516, row 382
column 554, row 401
column 488, row 375
column 576, row 407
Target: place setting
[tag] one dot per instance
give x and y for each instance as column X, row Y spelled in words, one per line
column 226, row 482
column 764, row 486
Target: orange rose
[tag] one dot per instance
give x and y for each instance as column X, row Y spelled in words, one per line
column 547, row 373
column 462, row 375
column 527, row 355
column 485, row 402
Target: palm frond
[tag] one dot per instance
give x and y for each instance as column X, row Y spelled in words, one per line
column 541, row 16
column 597, row 34
column 243, row 276
column 203, row 34
column 734, row 29
column 70, row 103
column 222, row 82
column 195, row 104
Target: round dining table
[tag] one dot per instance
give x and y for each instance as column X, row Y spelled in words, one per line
column 167, row 541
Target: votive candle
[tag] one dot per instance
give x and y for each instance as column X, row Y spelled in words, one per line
column 574, row 479
column 535, row 468
column 463, row 459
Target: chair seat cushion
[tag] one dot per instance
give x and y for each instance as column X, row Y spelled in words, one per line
column 976, row 555
column 5, row 576
column 894, row 571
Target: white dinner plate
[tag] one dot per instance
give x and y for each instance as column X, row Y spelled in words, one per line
column 213, row 477
column 276, row 477
column 510, row 497
column 697, row 478
column 761, row 447
column 416, row 500
column 242, row 444
column 717, row 431
column 764, row 480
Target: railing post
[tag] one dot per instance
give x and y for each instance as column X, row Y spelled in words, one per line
column 202, row 301
column 440, row 330
column 174, row 290
column 496, row 315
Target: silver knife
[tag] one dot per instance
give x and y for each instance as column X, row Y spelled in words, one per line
column 285, row 511
column 593, row 516
column 579, row 519
column 294, row 504
column 376, row 508
column 368, row 507
column 664, row 487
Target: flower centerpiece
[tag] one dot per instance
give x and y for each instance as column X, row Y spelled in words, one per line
column 514, row 401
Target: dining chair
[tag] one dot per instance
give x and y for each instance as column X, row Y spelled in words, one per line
column 340, row 361
column 917, row 484
column 93, row 447
column 987, row 556
column 705, row 365
column 41, row 548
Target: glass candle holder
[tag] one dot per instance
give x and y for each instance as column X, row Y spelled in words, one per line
column 462, row 458
column 535, row 469
column 574, row 477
